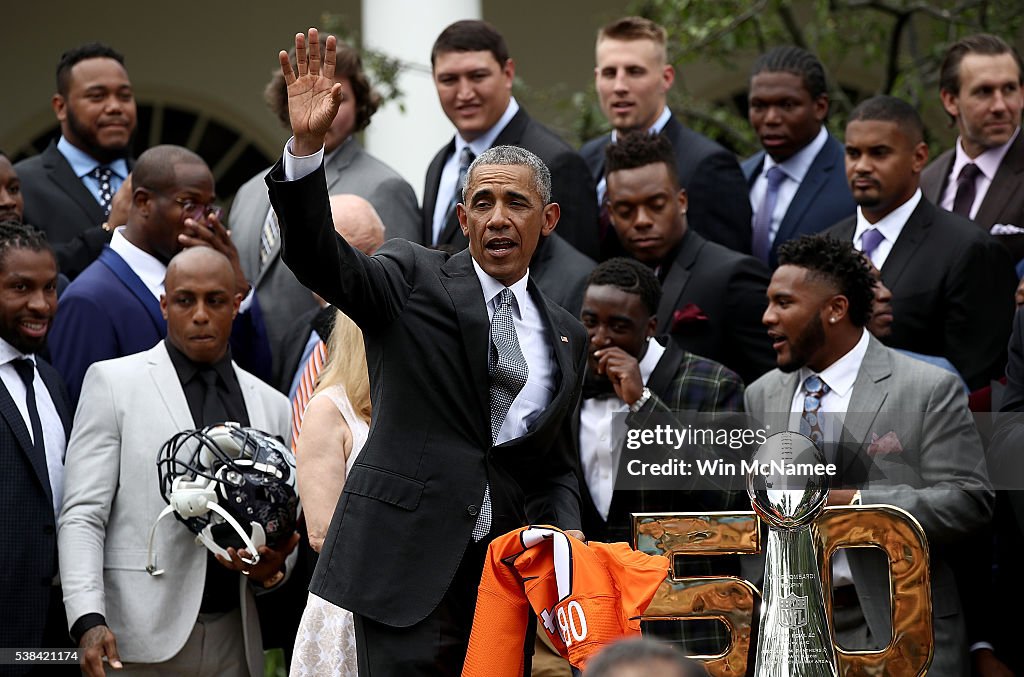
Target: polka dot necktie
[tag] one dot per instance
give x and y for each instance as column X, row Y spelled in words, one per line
column 103, row 175
column 509, row 371
column 810, row 422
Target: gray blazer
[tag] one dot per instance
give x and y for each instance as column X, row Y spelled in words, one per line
column 351, row 170
column 939, row 477
column 129, row 407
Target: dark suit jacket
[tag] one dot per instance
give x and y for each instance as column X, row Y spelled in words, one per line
column 719, row 206
column 28, row 532
column 822, row 199
column 411, row 500
column 561, row 272
column 571, row 185
column 108, row 312
column 59, row 204
column 1004, row 201
column 681, row 381
column 728, row 288
column 952, row 291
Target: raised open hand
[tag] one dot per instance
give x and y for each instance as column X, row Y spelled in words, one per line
column 313, row 95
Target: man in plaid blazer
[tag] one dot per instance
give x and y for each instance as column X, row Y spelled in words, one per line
column 631, row 373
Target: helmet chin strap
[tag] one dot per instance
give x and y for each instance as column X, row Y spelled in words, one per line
column 194, row 499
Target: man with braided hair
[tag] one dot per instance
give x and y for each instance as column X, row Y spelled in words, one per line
column 33, row 435
column 797, row 183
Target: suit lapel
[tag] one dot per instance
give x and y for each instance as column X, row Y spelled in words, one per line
column 904, row 249
column 869, row 392
column 341, row 160
column 10, row 413
column 161, row 370
column 678, row 276
column 253, row 402
column 120, row 268
column 814, row 180
column 460, row 281
column 253, row 244
column 1005, row 183
column 932, row 186
column 431, row 187
column 60, row 173
column 57, row 393
column 660, row 381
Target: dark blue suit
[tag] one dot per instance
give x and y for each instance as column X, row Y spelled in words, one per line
column 28, row 531
column 108, row 312
column 822, row 199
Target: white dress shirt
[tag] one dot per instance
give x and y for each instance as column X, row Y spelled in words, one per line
column 839, row 377
column 988, row 162
column 794, row 168
column 54, row 440
column 600, row 448
column 450, row 172
column 890, row 225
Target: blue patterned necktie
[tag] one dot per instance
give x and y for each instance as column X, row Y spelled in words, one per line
column 508, row 371
column 810, row 421
column 103, row 175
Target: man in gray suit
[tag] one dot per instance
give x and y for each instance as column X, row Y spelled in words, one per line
column 349, row 169
column 198, row 616
column 908, row 418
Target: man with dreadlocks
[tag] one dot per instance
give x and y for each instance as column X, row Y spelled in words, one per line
column 797, row 183
column 33, row 434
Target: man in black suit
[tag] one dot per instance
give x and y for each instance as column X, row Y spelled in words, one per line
column 797, row 183
column 69, row 187
column 35, row 419
column 470, row 435
column 633, row 77
column 473, row 75
column 713, row 297
column 952, row 286
column 982, row 177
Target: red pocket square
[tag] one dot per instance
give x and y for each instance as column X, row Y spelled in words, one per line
column 688, row 314
column 886, row 444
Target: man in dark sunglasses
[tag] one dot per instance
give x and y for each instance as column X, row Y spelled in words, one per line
column 112, row 309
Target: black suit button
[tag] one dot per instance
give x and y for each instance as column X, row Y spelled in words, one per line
column 472, row 510
column 48, row 529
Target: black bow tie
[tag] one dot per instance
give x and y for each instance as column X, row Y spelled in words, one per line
column 597, row 388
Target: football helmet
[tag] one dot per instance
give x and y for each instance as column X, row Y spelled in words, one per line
column 230, row 485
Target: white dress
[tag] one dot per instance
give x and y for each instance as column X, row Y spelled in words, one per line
column 325, row 643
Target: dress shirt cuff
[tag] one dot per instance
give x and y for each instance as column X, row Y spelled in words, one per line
column 978, row 646
column 85, row 624
column 297, row 167
column 246, row 303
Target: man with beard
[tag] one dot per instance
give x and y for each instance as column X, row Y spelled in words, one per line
column 12, row 203
column 842, row 384
column 33, row 434
column 952, row 285
column 69, row 187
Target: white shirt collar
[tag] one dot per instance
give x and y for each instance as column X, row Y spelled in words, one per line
column 486, row 140
column 82, row 163
column 797, row 165
column 988, row 162
column 890, row 225
column 9, row 353
column 492, row 288
column 656, row 128
column 841, row 374
column 650, row 359
column 149, row 268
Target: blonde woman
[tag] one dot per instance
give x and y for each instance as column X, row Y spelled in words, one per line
column 334, row 429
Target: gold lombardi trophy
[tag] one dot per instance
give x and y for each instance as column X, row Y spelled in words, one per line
column 788, row 491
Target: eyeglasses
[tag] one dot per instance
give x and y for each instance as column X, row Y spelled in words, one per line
column 198, row 210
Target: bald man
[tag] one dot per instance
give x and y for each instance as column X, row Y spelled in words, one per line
column 357, row 221
column 112, row 309
column 199, row 616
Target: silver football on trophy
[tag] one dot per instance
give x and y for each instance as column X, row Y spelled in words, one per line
column 787, row 484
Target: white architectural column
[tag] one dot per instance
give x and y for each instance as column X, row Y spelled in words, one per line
column 406, row 30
